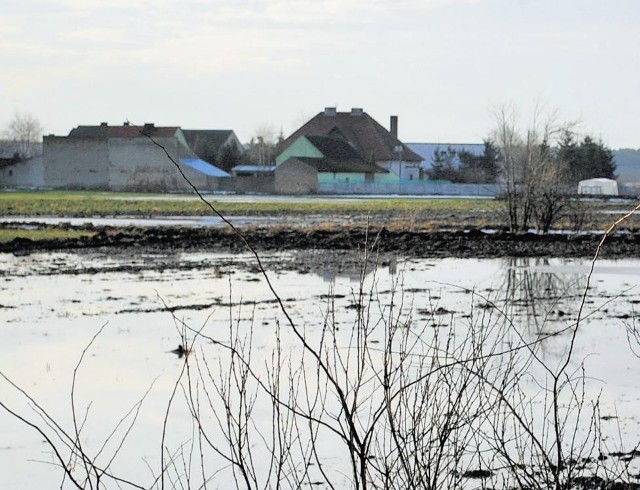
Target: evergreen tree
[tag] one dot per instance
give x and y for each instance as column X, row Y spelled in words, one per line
column 585, row 159
column 229, row 156
column 479, row 169
column 444, row 166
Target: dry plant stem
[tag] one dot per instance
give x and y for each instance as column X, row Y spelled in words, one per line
column 67, row 471
column 563, row 367
column 71, row 443
column 88, row 464
column 355, row 443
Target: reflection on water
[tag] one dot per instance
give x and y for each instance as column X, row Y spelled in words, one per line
column 539, row 290
column 51, row 305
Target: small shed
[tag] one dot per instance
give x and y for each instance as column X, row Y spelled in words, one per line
column 295, row 176
column 598, row 187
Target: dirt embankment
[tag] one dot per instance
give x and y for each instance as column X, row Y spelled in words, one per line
column 474, row 243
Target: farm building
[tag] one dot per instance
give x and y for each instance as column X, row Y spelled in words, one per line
column 119, row 158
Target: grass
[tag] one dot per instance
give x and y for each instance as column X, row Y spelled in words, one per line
column 83, row 203
column 9, row 234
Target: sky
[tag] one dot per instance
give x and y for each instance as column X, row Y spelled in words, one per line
column 442, row 66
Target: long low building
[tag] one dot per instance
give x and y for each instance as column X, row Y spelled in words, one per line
column 118, row 158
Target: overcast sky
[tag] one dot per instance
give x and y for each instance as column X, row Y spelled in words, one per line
column 440, row 65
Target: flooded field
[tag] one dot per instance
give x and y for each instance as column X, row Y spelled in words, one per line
column 130, row 385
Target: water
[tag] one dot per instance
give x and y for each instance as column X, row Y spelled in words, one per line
column 53, row 304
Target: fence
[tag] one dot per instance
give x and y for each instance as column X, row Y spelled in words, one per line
column 413, row 188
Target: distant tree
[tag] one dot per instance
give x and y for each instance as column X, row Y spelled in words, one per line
column 585, row 159
column 262, row 148
column 462, row 166
column 444, row 166
column 24, row 130
column 229, row 156
column 479, row 169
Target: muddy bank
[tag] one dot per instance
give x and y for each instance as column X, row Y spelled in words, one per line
column 438, row 244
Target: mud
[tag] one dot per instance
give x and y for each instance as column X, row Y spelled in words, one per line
column 422, row 244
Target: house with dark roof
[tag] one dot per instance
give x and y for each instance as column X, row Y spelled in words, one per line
column 123, row 158
column 373, row 143
column 314, row 160
column 210, row 144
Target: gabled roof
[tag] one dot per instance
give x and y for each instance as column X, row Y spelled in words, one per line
column 335, row 148
column 104, row 131
column 212, row 139
column 340, row 166
column 365, row 134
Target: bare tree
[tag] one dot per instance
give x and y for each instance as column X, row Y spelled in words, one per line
column 24, row 131
column 263, row 145
column 532, row 173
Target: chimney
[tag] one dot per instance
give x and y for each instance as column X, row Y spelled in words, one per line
column 393, row 126
column 357, row 111
column 126, row 123
column 330, row 111
column 104, row 124
column 148, row 126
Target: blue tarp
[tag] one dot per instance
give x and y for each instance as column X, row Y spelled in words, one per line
column 204, row 167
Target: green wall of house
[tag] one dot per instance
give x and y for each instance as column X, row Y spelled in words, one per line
column 354, row 178
column 301, row 147
column 342, row 178
column 389, row 178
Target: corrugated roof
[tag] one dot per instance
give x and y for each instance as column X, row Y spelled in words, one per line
column 204, row 167
column 365, row 134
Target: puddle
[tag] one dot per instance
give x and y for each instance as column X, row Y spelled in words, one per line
column 52, row 304
column 123, row 221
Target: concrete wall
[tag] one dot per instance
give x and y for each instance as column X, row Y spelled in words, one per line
column 119, row 164
column 136, row 164
column 75, row 163
column 27, row 174
column 263, row 184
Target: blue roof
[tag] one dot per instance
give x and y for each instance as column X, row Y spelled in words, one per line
column 204, row 167
column 426, row 150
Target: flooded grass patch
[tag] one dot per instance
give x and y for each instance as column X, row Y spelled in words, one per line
column 9, row 234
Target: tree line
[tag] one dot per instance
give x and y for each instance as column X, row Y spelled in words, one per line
column 574, row 158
